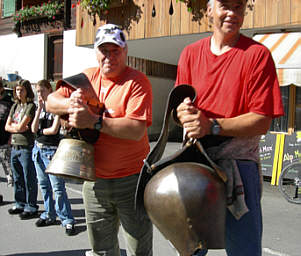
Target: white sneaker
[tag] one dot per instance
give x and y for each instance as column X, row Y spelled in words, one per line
column 89, row 253
column 10, row 181
column 70, row 230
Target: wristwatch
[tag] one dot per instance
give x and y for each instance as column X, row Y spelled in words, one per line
column 215, row 127
column 98, row 124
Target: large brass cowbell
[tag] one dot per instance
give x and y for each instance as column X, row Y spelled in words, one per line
column 73, row 159
column 183, row 194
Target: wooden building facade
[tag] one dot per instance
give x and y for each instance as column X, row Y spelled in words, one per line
column 143, row 19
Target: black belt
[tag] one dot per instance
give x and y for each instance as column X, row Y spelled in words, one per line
column 213, row 140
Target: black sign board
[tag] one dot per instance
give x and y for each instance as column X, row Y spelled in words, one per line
column 292, row 149
column 267, row 153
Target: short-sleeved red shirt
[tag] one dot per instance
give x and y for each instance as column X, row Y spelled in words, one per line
column 129, row 95
column 239, row 81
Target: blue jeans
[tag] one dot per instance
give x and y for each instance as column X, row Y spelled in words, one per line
column 50, row 183
column 25, row 180
column 244, row 236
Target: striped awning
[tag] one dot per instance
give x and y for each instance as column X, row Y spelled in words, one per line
column 286, row 52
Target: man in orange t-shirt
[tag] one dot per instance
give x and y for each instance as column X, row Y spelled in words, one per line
column 121, row 147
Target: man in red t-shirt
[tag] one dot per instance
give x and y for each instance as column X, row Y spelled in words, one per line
column 238, row 95
column 121, row 147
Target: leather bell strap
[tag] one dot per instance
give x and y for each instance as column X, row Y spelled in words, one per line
column 176, row 97
column 81, row 81
column 219, row 172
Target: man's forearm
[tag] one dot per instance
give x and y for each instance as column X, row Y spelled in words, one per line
column 124, row 128
column 57, row 104
column 249, row 124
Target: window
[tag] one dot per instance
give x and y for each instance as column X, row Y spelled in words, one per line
column 291, row 121
column 8, row 8
column 298, row 109
column 281, row 124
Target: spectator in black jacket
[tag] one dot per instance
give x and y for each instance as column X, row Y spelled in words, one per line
column 5, row 149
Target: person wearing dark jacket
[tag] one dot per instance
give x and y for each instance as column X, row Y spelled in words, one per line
column 5, row 148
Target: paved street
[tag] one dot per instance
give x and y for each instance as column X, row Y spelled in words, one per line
column 282, row 222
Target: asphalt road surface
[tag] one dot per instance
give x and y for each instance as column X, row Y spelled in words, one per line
column 282, row 232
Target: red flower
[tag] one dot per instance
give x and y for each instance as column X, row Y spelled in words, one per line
column 73, row 6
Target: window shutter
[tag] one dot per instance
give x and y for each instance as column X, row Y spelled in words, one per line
column 9, row 8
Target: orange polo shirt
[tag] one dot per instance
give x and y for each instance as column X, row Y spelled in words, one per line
column 129, row 95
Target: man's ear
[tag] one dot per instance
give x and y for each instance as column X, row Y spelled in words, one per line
column 126, row 49
column 210, row 12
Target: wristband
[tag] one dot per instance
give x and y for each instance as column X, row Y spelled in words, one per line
column 40, row 132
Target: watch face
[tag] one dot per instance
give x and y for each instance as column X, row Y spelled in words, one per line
column 97, row 126
column 216, row 129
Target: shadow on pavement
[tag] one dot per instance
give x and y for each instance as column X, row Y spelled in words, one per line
column 2, row 179
column 60, row 253
column 5, row 202
column 78, row 213
column 80, row 228
column 76, row 201
column 80, row 221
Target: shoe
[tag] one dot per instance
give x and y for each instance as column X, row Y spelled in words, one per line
column 200, row 252
column 88, row 253
column 70, row 229
column 44, row 222
column 15, row 210
column 10, row 181
column 28, row 215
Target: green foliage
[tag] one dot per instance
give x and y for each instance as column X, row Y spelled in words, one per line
column 48, row 10
column 188, row 3
column 95, row 6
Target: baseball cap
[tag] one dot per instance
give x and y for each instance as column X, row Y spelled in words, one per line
column 109, row 33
